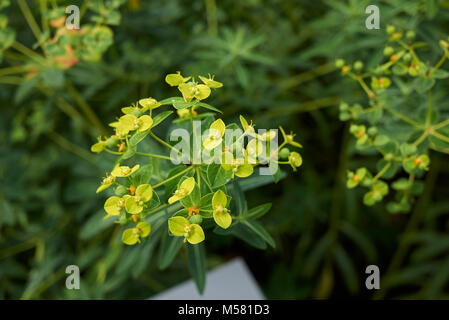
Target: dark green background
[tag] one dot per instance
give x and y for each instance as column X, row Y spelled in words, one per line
column 275, row 59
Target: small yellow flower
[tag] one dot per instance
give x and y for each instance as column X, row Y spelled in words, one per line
column 295, row 160
column 180, row 226
column 175, row 79
column 191, row 90
column 132, row 236
column 130, row 122
column 221, row 214
column 247, row 128
column 183, row 190
column 289, row 138
column 182, row 113
column 124, row 171
column 108, row 181
column 267, row 136
column 99, row 146
column 210, row 82
column 240, row 167
column 148, row 104
column 114, row 205
column 216, row 132
column 135, row 204
column 254, row 149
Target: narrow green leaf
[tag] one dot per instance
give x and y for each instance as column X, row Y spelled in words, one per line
column 260, row 231
column 208, row 106
column 169, row 248
column 258, row 211
column 217, row 175
column 161, row 117
column 197, row 265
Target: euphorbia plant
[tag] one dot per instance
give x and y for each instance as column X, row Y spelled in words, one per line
column 208, row 169
column 403, row 119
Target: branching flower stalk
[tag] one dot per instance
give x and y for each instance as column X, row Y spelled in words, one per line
column 401, row 122
column 201, row 186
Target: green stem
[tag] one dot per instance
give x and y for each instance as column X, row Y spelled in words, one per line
column 152, row 155
column 197, row 169
column 365, row 87
column 421, row 139
column 163, row 142
column 44, row 20
column 439, row 64
column 14, row 70
column 441, row 124
column 282, row 144
column 440, row 136
column 162, row 206
column 172, row 177
column 11, row 80
column 411, row 227
column 28, row 52
column 87, row 110
column 429, row 108
column 405, row 118
column 69, row 146
column 18, row 248
column 307, row 76
column 211, row 12
column 306, row 106
column 407, row 47
column 30, row 19
column 382, row 172
column 149, row 155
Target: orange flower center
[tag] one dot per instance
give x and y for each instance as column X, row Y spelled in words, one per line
column 193, row 210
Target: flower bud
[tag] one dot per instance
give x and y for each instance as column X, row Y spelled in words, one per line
column 358, row 66
column 390, row 29
column 410, row 35
column 444, row 44
column 372, row 131
column 112, row 142
column 389, row 157
column 120, row 191
column 196, row 219
column 339, row 63
column 388, row 51
column 407, row 57
column 284, row 153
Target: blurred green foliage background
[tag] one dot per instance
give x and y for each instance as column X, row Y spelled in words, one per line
column 275, row 59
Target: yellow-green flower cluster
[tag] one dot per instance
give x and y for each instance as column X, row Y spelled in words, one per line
column 199, row 188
